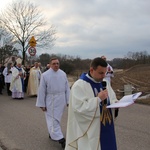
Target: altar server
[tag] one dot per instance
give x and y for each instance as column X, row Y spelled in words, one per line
column 53, row 97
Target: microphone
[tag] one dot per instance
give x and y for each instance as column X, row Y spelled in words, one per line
column 105, row 101
column 104, row 84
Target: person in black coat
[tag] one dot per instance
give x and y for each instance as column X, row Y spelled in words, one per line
column 2, row 83
column 27, row 70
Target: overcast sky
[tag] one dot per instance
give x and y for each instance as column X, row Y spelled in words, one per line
column 91, row 28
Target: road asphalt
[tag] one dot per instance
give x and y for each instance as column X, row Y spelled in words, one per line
column 23, row 126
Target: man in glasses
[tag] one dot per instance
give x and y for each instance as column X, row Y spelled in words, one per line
column 53, row 96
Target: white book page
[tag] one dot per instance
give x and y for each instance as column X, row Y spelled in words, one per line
column 125, row 101
column 127, row 98
column 136, row 95
column 118, row 105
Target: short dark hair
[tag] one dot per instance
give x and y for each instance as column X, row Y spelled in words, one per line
column 98, row 62
column 53, row 58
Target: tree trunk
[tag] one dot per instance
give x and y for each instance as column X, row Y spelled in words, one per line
column 23, row 58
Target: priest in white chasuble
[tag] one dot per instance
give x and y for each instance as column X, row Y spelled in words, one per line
column 90, row 124
column 34, row 80
column 17, row 80
column 53, row 97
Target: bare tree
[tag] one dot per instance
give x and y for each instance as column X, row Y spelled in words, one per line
column 6, row 38
column 6, row 46
column 24, row 20
column 6, row 52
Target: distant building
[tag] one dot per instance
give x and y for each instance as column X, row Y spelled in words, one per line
column 11, row 59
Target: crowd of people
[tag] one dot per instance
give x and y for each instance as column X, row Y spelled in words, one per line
column 19, row 79
column 90, row 125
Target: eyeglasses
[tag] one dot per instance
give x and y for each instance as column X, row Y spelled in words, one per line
column 55, row 63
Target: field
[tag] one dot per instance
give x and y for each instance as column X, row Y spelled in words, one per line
column 138, row 77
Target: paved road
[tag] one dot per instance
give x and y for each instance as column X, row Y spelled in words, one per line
column 23, row 126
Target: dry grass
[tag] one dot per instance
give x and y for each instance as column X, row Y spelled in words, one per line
column 138, row 77
column 143, row 101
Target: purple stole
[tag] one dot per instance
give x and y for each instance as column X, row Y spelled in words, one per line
column 107, row 132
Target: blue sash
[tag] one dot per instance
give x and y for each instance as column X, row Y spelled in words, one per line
column 107, row 132
column 22, row 80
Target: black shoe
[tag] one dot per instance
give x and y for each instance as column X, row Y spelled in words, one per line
column 62, row 142
column 1, row 93
column 50, row 137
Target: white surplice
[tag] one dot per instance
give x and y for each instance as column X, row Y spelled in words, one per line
column 53, row 93
column 7, row 75
column 109, row 75
column 83, row 126
column 16, row 85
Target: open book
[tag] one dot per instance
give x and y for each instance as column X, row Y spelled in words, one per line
column 125, row 101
